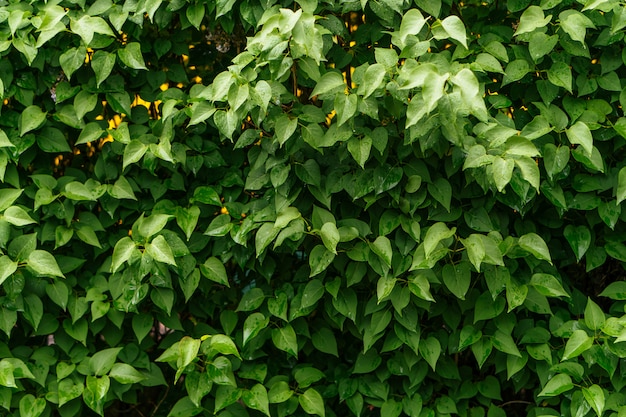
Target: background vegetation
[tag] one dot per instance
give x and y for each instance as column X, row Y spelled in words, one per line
column 334, row 208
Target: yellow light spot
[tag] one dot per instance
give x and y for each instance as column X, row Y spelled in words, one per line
column 5, row 101
column 224, row 210
column 185, row 58
column 100, row 117
column 329, row 117
column 352, row 43
column 164, row 86
column 594, row 61
column 197, row 79
column 180, row 85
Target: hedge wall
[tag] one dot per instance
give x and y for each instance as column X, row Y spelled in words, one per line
column 332, row 208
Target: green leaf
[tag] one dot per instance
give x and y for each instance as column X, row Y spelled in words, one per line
column 578, row 343
column 198, row 385
column 360, row 149
column 87, row 26
column 284, row 338
column 253, row 325
column 330, row 82
column 122, row 189
column 279, row 392
column 384, row 287
column 435, row 234
column 32, row 118
column 382, row 248
column 17, row 216
column 72, row 59
column 125, row 374
column 226, row 396
column 430, row 349
column 187, row 352
column 560, row 74
column 7, row 268
column 575, row 24
column 468, row 336
column 131, row 56
column 594, row 395
column 284, row 128
column 68, row 390
column 615, row 291
column 372, row 80
column 531, row 19
column 455, row 29
column 133, row 152
column 313, row 292
column 160, row 250
column 534, row 244
column 102, row 361
column 557, row 385
column 324, row 340
column 548, row 285
column 224, row 345
column 579, row 134
column 515, row 71
column 214, row 270
column 312, row 402
column 579, row 239
column 620, row 193
column 251, row 300
column 257, row 399
column 102, row 63
column 95, row 392
column 31, row 406
column 185, row 408
column 594, row 316
column 90, row 133
column 457, row 278
column 43, row 263
column 505, row 343
column 122, row 252
column 330, row 236
column 320, row 259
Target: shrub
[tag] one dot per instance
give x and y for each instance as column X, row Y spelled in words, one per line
column 239, row 208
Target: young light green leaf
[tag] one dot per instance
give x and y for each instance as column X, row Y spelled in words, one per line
column 160, row 250
column 330, row 236
column 455, row 29
column 533, row 243
column 131, row 56
column 312, row 402
column 43, row 263
column 559, row 384
column 531, row 19
column 579, row 134
column 594, row 395
column 32, row 118
column 548, row 285
column 329, row 82
column 253, row 325
column 578, row 343
column 620, row 192
column 594, row 316
column 435, row 234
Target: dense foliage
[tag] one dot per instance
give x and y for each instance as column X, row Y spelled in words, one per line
column 374, row 207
